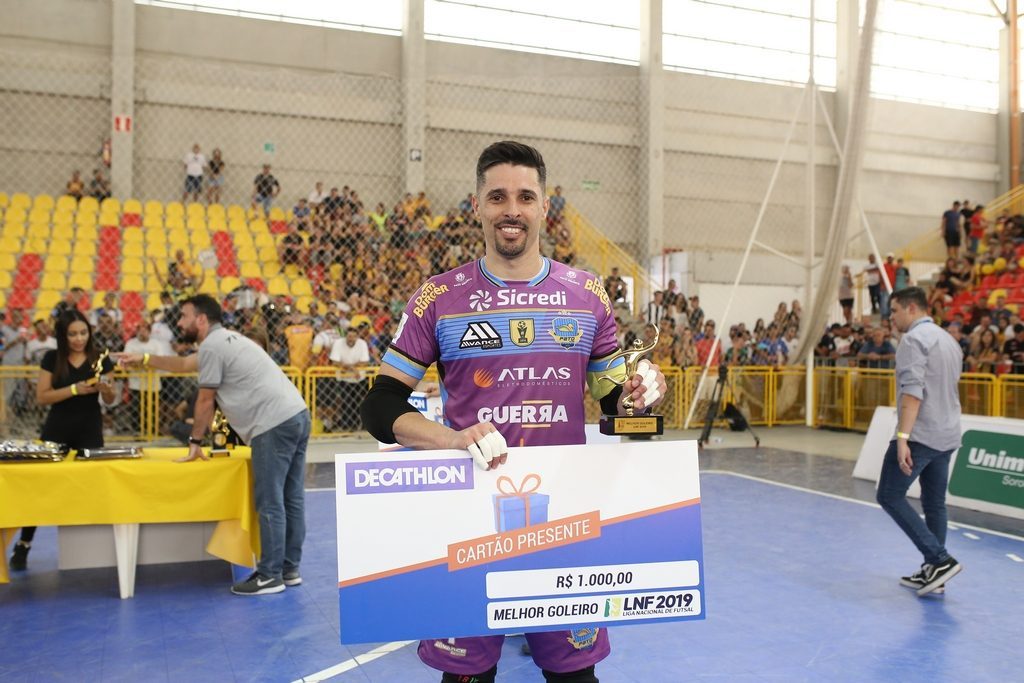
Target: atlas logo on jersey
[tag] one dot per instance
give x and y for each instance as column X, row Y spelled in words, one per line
column 480, row 300
column 521, row 331
column 528, row 376
column 480, row 335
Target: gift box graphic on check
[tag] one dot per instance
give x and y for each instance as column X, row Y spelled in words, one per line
column 517, row 507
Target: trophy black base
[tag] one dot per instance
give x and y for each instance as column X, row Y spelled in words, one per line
column 220, row 452
column 637, row 425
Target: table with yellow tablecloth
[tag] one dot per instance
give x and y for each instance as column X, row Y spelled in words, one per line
column 126, row 493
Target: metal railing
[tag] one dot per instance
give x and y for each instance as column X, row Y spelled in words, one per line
column 150, row 405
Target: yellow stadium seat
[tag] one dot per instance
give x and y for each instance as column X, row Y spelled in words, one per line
column 39, row 231
column 16, row 214
column 268, row 255
column 153, row 285
column 196, row 223
column 250, row 269
column 4, row 200
column 43, row 201
column 65, row 233
column 278, row 286
column 200, row 239
column 133, row 266
column 34, row 246
column 174, row 222
column 216, row 211
column 6, row 279
column 209, row 285
column 16, row 230
column 174, row 209
column 301, row 287
column 37, row 215
column 132, row 206
column 177, row 235
column 218, row 224
column 264, row 239
column 302, row 304
column 133, row 250
column 84, row 247
column 239, row 227
column 87, row 232
column 335, row 270
column 109, row 218
column 186, row 250
column 66, row 203
column 247, row 253
column 56, row 263
column 82, row 264
column 110, row 205
column 88, row 205
column 156, row 250
column 236, row 211
column 63, row 217
column 10, row 245
column 3, row 299
column 20, row 199
column 277, row 214
column 48, row 298
column 254, row 213
column 83, row 280
column 153, row 207
column 97, row 299
column 85, row 219
column 291, row 271
column 242, row 239
column 158, row 235
column 133, row 235
column 195, row 209
column 258, row 225
column 271, row 269
column 227, row 284
column 131, row 282
column 153, row 220
column 153, row 301
column 7, row 262
column 60, row 248
column 54, row 281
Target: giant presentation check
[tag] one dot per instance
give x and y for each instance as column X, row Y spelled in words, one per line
column 561, row 537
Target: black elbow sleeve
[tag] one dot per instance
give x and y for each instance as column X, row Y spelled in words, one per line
column 387, row 400
column 610, row 401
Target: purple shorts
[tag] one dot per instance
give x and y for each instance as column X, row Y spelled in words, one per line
column 558, row 651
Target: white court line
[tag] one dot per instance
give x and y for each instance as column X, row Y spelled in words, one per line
column 973, row 537
column 982, row 529
column 951, row 527
column 358, row 660
column 1014, row 557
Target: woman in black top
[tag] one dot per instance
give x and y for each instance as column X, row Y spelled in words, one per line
column 67, row 384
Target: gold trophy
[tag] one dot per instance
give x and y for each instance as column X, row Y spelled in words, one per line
column 97, row 367
column 219, row 431
column 630, row 424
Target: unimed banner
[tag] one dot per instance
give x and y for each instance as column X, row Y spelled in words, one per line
column 560, row 537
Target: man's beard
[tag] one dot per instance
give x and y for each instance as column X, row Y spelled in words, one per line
column 514, row 249
column 190, row 336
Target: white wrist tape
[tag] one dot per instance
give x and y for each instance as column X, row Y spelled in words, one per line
column 649, row 379
column 488, row 448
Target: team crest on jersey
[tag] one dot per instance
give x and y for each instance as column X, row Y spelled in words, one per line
column 583, row 638
column 566, row 332
column 480, row 335
column 520, row 331
column 461, row 279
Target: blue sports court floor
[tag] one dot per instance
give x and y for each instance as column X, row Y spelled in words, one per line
column 801, row 586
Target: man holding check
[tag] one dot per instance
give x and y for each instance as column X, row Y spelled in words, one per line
column 516, row 338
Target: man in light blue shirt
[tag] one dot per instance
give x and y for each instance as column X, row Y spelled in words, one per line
column 928, row 364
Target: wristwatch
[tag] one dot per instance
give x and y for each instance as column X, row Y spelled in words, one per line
column 194, row 441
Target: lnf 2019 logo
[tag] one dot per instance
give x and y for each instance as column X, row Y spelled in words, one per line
column 408, row 475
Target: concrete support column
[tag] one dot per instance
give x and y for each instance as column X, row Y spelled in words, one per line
column 414, row 99
column 122, row 97
column 1003, row 117
column 652, row 130
column 847, row 41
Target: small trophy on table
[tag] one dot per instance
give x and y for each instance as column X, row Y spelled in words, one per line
column 630, row 424
column 99, row 367
column 219, row 431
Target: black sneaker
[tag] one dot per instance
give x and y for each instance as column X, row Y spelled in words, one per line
column 291, row 577
column 19, row 558
column 916, row 580
column 257, row 584
column 937, row 575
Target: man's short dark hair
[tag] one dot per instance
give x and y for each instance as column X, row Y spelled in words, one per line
column 205, row 305
column 911, row 295
column 510, row 152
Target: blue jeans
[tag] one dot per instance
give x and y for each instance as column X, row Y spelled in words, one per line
column 883, row 302
column 932, row 467
column 278, row 471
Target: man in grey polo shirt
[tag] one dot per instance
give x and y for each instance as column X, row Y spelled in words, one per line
column 268, row 413
column 928, row 363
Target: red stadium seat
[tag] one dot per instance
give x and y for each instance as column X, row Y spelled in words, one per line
column 132, row 301
column 30, row 263
column 989, row 281
column 219, row 238
column 1007, row 279
column 21, row 298
column 130, row 322
column 131, row 219
column 278, row 227
column 227, row 268
column 107, row 281
column 110, row 233
column 256, row 283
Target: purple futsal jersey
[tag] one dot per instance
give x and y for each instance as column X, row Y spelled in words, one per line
column 519, row 355
column 516, row 354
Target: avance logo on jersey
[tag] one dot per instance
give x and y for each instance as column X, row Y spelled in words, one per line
column 480, row 335
column 520, row 331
